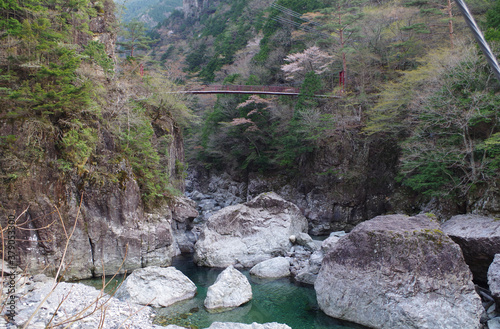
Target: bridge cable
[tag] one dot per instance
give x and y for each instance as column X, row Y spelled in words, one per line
column 478, row 35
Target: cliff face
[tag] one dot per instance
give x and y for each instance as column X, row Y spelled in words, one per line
column 93, row 217
column 341, row 184
column 193, row 8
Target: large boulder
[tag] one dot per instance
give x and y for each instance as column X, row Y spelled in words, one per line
column 307, row 257
column 398, row 272
column 183, row 213
column 479, row 238
column 156, row 286
column 278, row 267
column 230, row 290
column 78, row 306
column 246, row 234
column 494, row 278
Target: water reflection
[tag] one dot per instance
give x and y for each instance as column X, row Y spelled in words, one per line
column 273, row 301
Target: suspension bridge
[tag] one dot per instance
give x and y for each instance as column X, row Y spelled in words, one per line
column 242, row 89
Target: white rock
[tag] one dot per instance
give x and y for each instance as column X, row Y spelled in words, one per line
column 230, row 290
column 494, row 277
column 87, row 305
column 156, row 286
column 278, row 267
column 246, row 234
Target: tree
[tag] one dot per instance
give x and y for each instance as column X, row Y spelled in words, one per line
column 341, row 20
column 312, row 59
column 493, row 23
column 134, row 34
column 433, row 9
column 455, row 145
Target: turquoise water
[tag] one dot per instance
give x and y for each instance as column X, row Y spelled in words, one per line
column 273, row 301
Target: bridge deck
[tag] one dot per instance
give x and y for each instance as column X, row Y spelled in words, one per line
column 238, row 92
column 241, row 89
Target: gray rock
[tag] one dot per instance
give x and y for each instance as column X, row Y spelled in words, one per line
column 156, row 286
column 303, row 239
column 244, row 235
column 494, row 278
column 234, row 325
column 197, row 196
column 7, row 269
column 330, row 242
column 494, row 323
column 316, row 260
column 41, row 278
column 230, row 290
column 491, row 311
column 86, row 305
column 183, row 209
column 278, row 267
column 479, row 238
column 398, row 272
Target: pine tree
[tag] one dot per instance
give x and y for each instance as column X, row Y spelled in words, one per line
column 341, row 20
column 134, row 34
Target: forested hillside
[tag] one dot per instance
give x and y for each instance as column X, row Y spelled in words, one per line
column 150, row 12
column 85, row 138
column 400, row 73
column 58, row 79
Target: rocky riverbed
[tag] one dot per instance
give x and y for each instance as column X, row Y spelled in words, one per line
column 391, row 271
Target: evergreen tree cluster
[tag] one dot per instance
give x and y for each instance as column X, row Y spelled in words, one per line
column 65, row 109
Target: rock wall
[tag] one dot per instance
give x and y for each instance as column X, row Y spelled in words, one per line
column 346, row 181
column 109, row 232
column 193, row 8
column 91, row 220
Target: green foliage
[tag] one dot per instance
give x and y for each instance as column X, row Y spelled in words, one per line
column 162, row 103
column 493, row 23
column 134, row 34
column 78, row 144
column 40, row 88
column 156, row 9
column 144, row 158
column 491, row 149
column 231, row 29
column 271, row 26
column 96, row 52
column 455, row 146
column 311, row 86
column 196, row 58
column 389, row 115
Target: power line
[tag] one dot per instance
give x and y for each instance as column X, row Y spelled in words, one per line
column 297, row 15
column 299, row 26
column 479, row 38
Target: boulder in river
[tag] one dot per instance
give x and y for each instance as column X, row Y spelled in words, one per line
column 230, row 290
column 278, row 267
column 246, row 234
column 479, row 238
column 494, row 278
column 398, row 272
column 156, row 286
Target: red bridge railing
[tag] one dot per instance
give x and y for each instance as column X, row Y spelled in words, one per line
column 242, row 88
